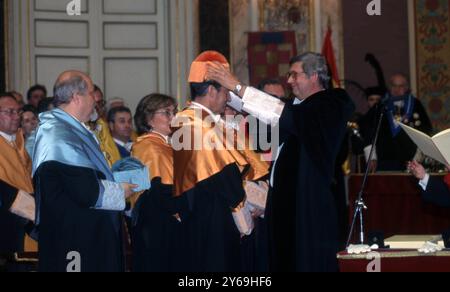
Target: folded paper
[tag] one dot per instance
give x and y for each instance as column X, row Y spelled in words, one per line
column 132, row 171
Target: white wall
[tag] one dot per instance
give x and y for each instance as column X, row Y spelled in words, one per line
column 129, row 48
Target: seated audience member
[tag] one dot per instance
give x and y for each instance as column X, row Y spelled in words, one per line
column 29, row 121
column 35, row 94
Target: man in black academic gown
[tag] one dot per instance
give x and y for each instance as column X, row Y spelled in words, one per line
column 79, row 204
column 394, row 147
column 301, row 209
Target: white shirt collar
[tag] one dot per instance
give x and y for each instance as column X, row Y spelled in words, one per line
column 216, row 118
column 9, row 138
column 127, row 146
column 298, row 101
column 399, row 103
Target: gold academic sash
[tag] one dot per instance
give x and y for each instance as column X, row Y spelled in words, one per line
column 154, row 152
column 194, row 166
column 15, row 164
column 107, row 144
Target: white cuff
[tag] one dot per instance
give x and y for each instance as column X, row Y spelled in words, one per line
column 424, row 183
column 256, row 195
column 113, row 197
column 24, row 206
column 367, row 153
column 244, row 221
column 263, row 106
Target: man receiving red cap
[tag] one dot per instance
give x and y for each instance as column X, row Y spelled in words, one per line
column 210, row 173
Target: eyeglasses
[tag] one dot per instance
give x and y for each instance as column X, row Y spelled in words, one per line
column 294, row 74
column 12, row 112
column 168, row 113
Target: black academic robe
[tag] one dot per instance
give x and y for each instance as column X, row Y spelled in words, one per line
column 393, row 152
column 213, row 240
column 437, row 192
column 157, row 234
column 66, row 196
column 340, row 193
column 301, row 210
column 12, row 227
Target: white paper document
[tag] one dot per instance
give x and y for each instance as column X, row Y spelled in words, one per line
column 436, row 147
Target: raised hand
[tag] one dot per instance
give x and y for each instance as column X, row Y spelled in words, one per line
column 219, row 73
column 417, row 170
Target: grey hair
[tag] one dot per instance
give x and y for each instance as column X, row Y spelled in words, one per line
column 314, row 63
column 65, row 90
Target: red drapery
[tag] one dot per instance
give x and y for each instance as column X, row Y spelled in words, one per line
column 396, row 207
column 269, row 54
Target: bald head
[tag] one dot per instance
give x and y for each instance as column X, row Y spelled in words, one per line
column 73, row 79
column 399, row 85
column 71, row 74
column 73, row 93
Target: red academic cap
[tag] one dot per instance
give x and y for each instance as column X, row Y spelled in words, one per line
column 198, row 67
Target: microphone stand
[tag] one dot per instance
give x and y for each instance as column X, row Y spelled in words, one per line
column 360, row 205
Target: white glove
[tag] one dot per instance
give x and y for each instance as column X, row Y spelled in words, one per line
column 361, row 248
column 244, row 221
column 430, row 247
column 257, row 194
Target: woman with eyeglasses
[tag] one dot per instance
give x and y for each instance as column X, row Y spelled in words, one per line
column 157, row 214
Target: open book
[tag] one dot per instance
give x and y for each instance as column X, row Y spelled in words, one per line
column 436, row 147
